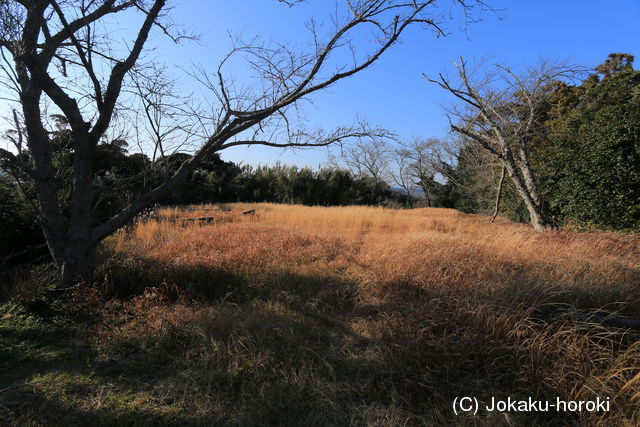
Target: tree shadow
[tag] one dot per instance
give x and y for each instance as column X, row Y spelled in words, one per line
column 288, row 349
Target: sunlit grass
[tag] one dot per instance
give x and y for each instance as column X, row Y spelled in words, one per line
column 347, row 315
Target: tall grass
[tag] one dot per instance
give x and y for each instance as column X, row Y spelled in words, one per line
column 357, row 315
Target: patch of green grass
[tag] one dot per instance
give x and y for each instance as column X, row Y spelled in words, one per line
column 29, row 343
column 51, row 373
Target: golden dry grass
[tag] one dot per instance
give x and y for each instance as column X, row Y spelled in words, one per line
column 364, row 316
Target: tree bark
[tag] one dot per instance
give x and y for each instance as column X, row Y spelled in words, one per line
column 79, row 264
column 498, row 195
column 425, row 190
column 536, row 214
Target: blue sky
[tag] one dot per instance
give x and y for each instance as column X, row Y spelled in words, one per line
column 392, row 93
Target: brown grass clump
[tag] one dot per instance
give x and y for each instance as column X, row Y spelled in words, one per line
column 337, row 316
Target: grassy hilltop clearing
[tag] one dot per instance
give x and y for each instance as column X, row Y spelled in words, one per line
column 319, row 213
column 326, row 316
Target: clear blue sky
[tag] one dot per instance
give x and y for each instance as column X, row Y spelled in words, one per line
column 392, row 93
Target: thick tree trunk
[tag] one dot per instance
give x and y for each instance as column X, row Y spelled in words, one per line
column 74, row 251
column 79, row 265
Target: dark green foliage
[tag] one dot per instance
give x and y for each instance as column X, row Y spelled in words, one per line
column 586, row 156
column 476, row 176
column 18, row 220
column 120, row 177
column 290, row 184
column 218, row 181
column 594, row 155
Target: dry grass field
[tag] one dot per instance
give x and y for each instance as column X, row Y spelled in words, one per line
column 329, row 316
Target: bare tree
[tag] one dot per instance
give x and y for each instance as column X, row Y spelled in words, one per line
column 166, row 119
column 496, row 205
column 403, row 176
column 500, row 113
column 409, row 166
column 367, row 157
column 61, row 53
column 424, row 162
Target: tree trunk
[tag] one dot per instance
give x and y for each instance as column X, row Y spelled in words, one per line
column 425, row 190
column 79, row 265
column 527, row 175
column 536, row 215
column 538, row 220
column 498, row 195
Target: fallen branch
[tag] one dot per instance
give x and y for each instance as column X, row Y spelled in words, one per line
column 612, row 321
column 607, row 320
column 207, row 219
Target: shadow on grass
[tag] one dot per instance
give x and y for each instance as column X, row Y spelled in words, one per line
column 278, row 348
column 268, row 366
